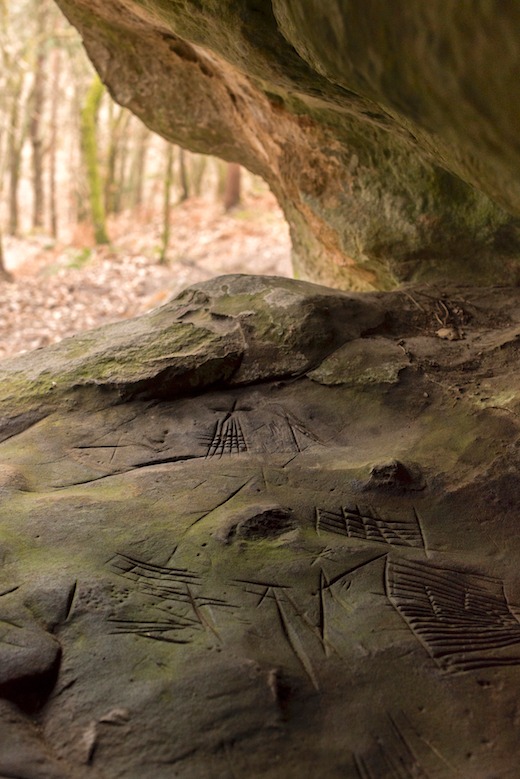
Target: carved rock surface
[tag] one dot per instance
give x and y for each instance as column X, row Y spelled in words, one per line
column 254, row 573
column 388, row 131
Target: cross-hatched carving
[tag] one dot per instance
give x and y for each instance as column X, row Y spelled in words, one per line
column 367, row 525
column 464, row 621
column 177, row 603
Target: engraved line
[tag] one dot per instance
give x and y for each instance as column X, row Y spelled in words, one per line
column 152, row 568
column 223, row 503
column 263, row 595
column 430, row 746
column 166, row 639
column 203, row 620
column 354, row 569
column 190, row 621
column 116, row 447
column 388, row 590
column 135, row 626
column 453, row 614
column 101, row 446
column 421, row 531
column 326, row 644
column 293, row 436
column 295, row 424
column 322, row 613
column 369, row 526
column 11, row 589
column 176, row 458
column 408, row 748
column 12, row 624
column 294, row 642
column 145, row 564
column 70, row 600
column 203, row 600
column 264, row 584
column 362, row 768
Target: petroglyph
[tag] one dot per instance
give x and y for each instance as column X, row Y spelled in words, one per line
column 146, row 573
column 290, row 617
column 463, row 620
column 393, row 757
column 261, row 589
column 175, row 601
column 367, row 525
column 156, row 629
column 235, row 428
column 268, row 429
column 228, row 436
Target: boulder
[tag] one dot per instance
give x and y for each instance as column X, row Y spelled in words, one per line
column 388, row 131
column 268, row 530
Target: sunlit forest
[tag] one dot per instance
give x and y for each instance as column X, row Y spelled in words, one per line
column 101, row 219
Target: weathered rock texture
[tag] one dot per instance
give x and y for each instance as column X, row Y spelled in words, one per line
column 388, row 131
column 269, row 530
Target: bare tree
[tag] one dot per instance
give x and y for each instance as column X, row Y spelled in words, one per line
column 4, row 273
column 138, row 166
column 117, row 123
column 183, row 176
column 168, row 181
column 17, row 133
column 37, row 102
column 53, row 141
column 197, row 171
column 123, row 157
column 89, row 146
column 232, row 188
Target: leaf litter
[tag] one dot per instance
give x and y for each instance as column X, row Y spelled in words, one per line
column 60, row 290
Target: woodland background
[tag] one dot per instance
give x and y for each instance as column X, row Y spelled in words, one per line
column 101, row 219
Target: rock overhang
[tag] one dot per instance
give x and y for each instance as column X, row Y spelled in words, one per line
column 387, row 133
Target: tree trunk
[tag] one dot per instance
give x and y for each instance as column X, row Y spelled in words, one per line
column 221, row 167
column 232, row 189
column 4, row 273
column 89, row 146
column 116, row 122
column 138, row 168
column 198, row 169
column 17, row 135
column 53, row 212
column 37, row 107
column 183, row 176
column 14, row 168
column 168, row 180
column 121, row 184
column 78, row 190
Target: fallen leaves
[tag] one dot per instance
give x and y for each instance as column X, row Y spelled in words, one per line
column 59, row 291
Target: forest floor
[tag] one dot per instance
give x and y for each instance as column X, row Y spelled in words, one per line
column 58, row 290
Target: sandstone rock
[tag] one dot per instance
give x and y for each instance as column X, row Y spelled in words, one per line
column 387, row 131
column 49, row 599
column 364, row 361
column 275, row 577
column 235, row 328
column 23, row 752
column 29, row 660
